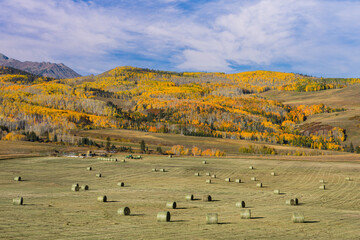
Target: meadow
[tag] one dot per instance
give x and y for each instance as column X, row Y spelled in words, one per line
column 52, row 211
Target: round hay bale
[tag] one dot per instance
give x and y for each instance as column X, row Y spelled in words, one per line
column 213, row 176
column 298, row 218
column 290, row 202
column 154, row 170
column 212, row 218
column 170, row 156
column 18, row 201
column 348, row 179
column 207, row 174
column 171, row 205
column 227, row 180
column 98, row 175
column 238, row 180
column 163, row 216
column 253, row 179
column 162, row 170
column 85, row 187
column 251, row 167
column 240, row 204
column 189, row 197
column 204, row 162
column 322, row 187
column 259, row 185
column 102, row 199
column 75, row 188
column 123, row 160
column 197, row 174
column 17, row 178
column 125, row 211
column 245, row 214
column 89, row 168
column 276, row 191
column 296, row 201
column 206, row 198
column 208, row 181
column 273, row 174
column 322, row 181
column 121, row 184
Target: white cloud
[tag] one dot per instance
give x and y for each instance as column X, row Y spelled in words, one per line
column 319, row 37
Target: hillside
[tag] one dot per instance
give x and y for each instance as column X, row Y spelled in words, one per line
column 349, row 98
column 232, row 106
column 46, row 69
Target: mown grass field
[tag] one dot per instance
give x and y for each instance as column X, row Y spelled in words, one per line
column 52, row 211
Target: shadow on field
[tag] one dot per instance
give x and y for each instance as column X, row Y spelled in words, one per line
column 112, row 201
column 137, row 214
column 224, row 223
column 257, row 217
column 216, row 200
column 179, row 220
column 311, row 221
column 181, row 208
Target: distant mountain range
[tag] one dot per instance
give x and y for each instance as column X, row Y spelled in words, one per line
column 47, row 69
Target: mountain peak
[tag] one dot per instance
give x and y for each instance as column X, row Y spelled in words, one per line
column 46, row 69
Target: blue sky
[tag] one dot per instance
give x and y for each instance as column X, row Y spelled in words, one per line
column 314, row 37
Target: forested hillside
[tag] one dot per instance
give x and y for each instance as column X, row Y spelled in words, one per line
column 197, row 104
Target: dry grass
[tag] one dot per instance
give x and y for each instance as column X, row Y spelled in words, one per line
column 52, row 211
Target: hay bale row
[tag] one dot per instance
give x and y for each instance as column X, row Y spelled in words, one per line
column 163, row 216
column 17, row 178
column 124, row 211
column 108, row 159
column 171, row 205
column 162, row 170
column 240, row 204
column 18, row 201
column 212, row 218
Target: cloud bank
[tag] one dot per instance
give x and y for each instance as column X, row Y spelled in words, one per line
column 315, row 37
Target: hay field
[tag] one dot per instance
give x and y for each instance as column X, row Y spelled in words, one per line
column 52, row 211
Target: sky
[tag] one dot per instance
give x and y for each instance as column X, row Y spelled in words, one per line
column 314, row 37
